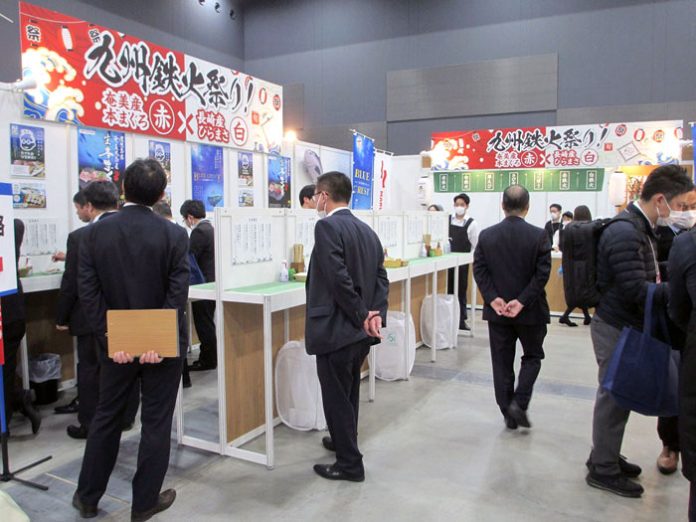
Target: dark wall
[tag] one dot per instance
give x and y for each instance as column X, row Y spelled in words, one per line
column 627, row 53
column 182, row 25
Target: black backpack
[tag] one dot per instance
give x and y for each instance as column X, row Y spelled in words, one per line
column 579, row 246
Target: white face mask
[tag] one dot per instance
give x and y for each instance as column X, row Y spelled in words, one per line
column 554, row 216
column 669, row 219
column 684, row 220
column 321, row 213
column 460, row 211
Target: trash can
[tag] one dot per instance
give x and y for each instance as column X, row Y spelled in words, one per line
column 390, row 363
column 44, row 374
column 443, row 334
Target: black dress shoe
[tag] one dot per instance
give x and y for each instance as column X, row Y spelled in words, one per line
column 85, row 510
column 518, row 415
column 165, row 500
column 198, row 366
column 464, row 326
column 331, row 472
column 77, row 432
column 628, row 469
column 30, row 412
column 328, row 443
column 71, row 407
column 587, row 321
column 618, row 484
column 510, row 423
column 567, row 321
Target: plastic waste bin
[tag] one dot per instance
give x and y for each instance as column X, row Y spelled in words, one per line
column 44, row 374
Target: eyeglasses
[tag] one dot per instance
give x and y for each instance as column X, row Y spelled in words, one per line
column 317, row 194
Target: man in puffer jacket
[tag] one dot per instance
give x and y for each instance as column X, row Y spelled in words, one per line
column 627, row 264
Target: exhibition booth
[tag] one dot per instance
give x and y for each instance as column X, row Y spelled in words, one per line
column 97, row 99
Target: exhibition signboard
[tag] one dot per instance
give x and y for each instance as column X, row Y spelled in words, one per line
column 94, row 76
column 534, row 180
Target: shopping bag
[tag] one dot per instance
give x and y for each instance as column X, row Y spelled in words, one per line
column 643, row 373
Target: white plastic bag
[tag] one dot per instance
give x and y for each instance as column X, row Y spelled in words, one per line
column 447, row 319
column 389, row 354
column 297, row 390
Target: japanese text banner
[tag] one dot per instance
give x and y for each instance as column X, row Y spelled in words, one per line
column 90, row 75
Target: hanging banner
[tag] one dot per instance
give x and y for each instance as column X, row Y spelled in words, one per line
column 279, row 182
column 27, row 152
column 536, row 180
column 383, row 173
column 363, row 169
column 101, row 154
column 598, row 145
column 207, row 176
column 91, row 75
column 8, row 262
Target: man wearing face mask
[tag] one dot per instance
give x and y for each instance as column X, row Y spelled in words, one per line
column 463, row 236
column 554, row 224
column 683, row 220
column 626, row 265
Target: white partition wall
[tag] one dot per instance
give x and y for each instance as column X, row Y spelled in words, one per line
column 438, row 228
column 390, row 230
column 415, row 225
column 300, row 230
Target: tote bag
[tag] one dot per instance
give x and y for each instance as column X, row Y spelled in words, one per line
column 643, row 373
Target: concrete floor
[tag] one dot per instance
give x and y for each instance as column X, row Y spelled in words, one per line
column 435, row 449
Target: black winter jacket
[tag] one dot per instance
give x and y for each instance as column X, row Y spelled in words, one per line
column 626, row 264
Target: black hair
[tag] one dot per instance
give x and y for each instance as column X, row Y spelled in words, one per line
column 162, row 208
column 79, row 198
column 102, row 194
column 567, row 214
column 463, row 196
column 337, row 185
column 306, row 192
column 582, row 213
column 515, row 199
column 144, row 182
column 670, row 180
column 436, row 207
column 192, row 207
column 556, row 205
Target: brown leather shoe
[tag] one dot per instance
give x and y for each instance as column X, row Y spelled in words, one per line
column 667, row 461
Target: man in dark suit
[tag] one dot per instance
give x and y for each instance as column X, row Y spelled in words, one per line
column 512, row 263
column 202, row 246
column 100, row 202
column 347, row 290
column 133, row 261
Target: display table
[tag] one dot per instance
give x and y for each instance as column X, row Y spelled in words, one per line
column 254, row 322
column 41, row 296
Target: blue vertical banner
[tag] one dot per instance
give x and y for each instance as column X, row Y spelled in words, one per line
column 207, row 175
column 101, row 154
column 279, row 181
column 363, row 169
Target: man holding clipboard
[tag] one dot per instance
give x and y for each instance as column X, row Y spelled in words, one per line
column 134, row 262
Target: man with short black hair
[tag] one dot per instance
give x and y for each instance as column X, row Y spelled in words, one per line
column 626, row 265
column 512, row 264
column 133, row 261
column 554, row 224
column 347, row 290
column 307, row 197
column 162, row 208
column 79, row 202
column 463, row 236
column 202, row 246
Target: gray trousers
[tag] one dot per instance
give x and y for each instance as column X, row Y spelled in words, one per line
column 609, row 419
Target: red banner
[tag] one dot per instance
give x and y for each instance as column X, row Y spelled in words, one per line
column 91, row 75
column 489, row 149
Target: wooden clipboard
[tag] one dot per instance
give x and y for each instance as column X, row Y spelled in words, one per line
column 140, row 331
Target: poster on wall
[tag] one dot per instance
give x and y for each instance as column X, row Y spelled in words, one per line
column 28, row 194
column 363, row 170
column 245, row 178
column 383, row 172
column 207, row 175
column 8, row 274
column 91, row 75
column 279, row 182
column 27, row 152
column 534, row 180
column 101, row 154
column 162, row 152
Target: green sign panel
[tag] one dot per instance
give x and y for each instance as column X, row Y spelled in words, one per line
column 534, row 180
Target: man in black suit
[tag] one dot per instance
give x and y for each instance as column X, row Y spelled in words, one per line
column 133, row 261
column 100, row 202
column 202, row 246
column 512, row 263
column 554, row 224
column 347, row 290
